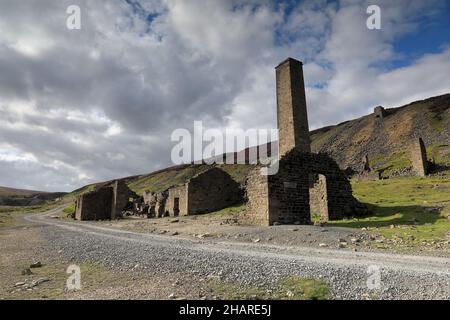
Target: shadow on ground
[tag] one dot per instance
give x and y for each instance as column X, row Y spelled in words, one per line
column 384, row 216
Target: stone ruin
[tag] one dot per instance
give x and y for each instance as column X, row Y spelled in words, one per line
column 206, row 192
column 306, row 182
column 418, row 158
column 380, row 112
column 367, row 173
column 105, row 202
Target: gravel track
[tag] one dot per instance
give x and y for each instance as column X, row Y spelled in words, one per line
column 402, row 276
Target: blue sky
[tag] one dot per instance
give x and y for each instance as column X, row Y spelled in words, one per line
column 432, row 35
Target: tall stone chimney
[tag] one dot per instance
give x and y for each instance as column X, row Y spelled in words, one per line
column 291, row 107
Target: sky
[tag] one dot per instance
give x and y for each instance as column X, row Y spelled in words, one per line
column 89, row 105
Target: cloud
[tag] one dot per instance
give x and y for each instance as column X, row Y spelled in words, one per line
column 80, row 106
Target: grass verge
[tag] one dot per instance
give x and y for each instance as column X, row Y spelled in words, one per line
column 413, row 209
column 289, row 288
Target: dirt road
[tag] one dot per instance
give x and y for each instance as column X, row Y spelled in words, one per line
column 348, row 273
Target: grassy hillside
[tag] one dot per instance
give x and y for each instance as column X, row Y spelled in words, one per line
column 21, row 197
column 409, row 210
column 162, row 180
column 11, row 192
column 386, row 140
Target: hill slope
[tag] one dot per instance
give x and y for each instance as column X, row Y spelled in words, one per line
column 21, row 197
column 386, row 140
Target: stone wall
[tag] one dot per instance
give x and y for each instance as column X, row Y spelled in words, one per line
column 150, row 199
column 95, row 205
column 419, row 160
column 121, row 197
column 160, row 207
column 257, row 194
column 180, row 193
column 288, row 194
column 366, row 164
column 106, row 202
column 212, row 190
column 318, row 198
column 367, row 176
column 379, row 112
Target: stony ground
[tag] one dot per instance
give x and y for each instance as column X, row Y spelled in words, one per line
column 163, row 265
column 222, row 226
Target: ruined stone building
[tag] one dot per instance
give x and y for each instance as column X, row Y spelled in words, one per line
column 306, row 183
column 367, row 173
column 380, row 112
column 418, row 158
column 207, row 191
column 106, row 202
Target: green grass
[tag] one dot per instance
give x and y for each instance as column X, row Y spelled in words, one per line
column 93, row 276
column 387, row 165
column 238, row 172
column 403, row 202
column 10, row 216
column 162, row 180
column 440, row 154
column 290, row 288
column 436, row 121
column 226, row 212
column 69, row 210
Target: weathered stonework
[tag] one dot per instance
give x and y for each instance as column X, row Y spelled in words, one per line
column 285, row 197
column 150, row 199
column 257, row 192
column 208, row 191
column 212, row 190
column 177, row 201
column 367, row 167
column 121, row 197
column 305, row 181
column 106, row 202
column 419, row 160
column 291, row 107
column 94, row 205
column 379, row 112
column 318, row 196
column 160, row 207
column 367, row 174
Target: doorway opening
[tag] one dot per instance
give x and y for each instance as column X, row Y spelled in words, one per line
column 176, row 206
